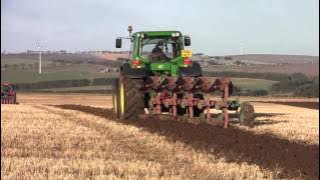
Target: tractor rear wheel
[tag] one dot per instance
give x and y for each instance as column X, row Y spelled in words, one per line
column 129, row 98
column 115, row 98
column 246, row 114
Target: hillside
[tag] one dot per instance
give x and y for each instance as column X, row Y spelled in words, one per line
column 23, row 68
column 274, row 58
column 261, row 63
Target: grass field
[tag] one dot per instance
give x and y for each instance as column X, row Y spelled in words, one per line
column 50, row 72
column 75, row 136
column 253, row 84
column 11, row 61
column 53, row 74
column 33, row 76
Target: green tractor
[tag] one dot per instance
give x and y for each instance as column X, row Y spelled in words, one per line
column 161, row 78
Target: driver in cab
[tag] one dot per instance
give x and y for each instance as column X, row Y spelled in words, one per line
column 157, row 53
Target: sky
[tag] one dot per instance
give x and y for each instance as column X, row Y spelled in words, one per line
column 216, row 27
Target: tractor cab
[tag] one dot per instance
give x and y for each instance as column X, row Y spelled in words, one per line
column 171, row 44
column 160, row 52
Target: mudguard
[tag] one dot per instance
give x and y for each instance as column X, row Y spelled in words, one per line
column 129, row 72
column 193, row 71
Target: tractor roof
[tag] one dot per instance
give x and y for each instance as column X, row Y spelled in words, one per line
column 156, row 33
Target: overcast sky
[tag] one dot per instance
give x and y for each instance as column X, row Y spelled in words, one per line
column 217, row 27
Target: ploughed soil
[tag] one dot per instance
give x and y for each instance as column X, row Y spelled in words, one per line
column 309, row 105
column 288, row 159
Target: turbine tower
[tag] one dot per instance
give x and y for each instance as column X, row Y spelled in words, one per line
column 39, row 48
column 241, row 48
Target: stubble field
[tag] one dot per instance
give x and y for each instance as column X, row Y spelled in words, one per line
column 76, row 137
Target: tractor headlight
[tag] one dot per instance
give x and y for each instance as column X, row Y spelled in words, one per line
column 138, row 35
column 142, row 36
column 175, row 34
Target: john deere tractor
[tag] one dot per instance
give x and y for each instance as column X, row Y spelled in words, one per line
column 160, row 78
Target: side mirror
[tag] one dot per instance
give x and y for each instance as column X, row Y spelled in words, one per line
column 118, row 43
column 187, row 41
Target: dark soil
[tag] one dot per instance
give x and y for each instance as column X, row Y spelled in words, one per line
column 309, row 105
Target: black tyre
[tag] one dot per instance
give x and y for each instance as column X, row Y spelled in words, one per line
column 246, row 114
column 115, row 98
column 130, row 98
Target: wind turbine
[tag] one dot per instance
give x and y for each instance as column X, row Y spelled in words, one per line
column 241, row 48
column 39, row 48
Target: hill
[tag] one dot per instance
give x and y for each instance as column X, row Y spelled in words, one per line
column 276, row 59
column 261, row 63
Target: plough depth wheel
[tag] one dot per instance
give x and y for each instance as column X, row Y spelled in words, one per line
column 246, row 114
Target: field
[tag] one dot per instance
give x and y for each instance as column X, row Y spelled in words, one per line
column 75, row 136
column 71, row 72
column 308, row 69
column 22, row 68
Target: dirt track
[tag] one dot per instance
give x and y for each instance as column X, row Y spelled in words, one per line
column 264, row 145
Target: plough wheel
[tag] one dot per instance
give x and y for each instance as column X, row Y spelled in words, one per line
column 128, row 98
column 246, row 114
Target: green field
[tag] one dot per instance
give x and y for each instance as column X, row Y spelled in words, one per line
column 31, row 77
column 15, row 72
column 253, row 84
column 55, row 73
column 12, row 61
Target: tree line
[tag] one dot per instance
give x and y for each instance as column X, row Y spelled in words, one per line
column 299, row 85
